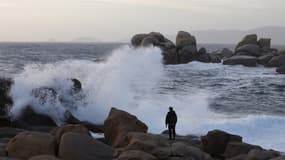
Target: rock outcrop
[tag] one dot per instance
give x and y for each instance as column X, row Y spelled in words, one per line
column 118, row 124
column 5, row 100
column 249, row 61
column 29, row 144
column 76, row 146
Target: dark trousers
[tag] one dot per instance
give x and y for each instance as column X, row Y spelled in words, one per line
column 171, row 131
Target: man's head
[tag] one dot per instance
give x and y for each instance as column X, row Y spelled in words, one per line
column 171, row 108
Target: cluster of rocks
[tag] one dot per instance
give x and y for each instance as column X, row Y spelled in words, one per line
column 184, row 51
column 251, row 51
column 125, row 138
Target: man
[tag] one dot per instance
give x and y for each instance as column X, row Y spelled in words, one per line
column 170, row 121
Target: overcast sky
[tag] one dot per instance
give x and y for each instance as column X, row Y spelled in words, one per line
column 113, row 20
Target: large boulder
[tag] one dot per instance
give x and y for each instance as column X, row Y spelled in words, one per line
column 264, row 43
column 263, row 60
column 226, row 53
column 5, row 121
column 206, row 58
column 5, row 100
column 185, row 39
column 187, row 54
column 249, row 61
column 59, row 131
column 44, row 157
column 249, row 49
column 216, row 141
column 29, row 144
column 281, row 70
column 170, row 56
column 234, row 149
column 277, row 61
column 135, row 155
column 248, row 39
column 118, row 124
column 137, row 39
column 76, row 146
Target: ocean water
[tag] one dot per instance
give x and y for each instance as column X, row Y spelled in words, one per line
column 242, row 100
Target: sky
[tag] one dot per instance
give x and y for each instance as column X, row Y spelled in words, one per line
column 116, row 20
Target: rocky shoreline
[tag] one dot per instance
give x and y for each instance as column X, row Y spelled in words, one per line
column 250, row 51
column 34, row 136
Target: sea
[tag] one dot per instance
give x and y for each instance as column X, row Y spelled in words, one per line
column 248, row 101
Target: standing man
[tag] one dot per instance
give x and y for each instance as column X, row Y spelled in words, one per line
column 170, row 121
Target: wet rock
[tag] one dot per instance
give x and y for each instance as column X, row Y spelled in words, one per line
column 202, row 51
column 29, row 144
column 277, row 61
column 118, row 124
column 249, row 61
column 5, row 100
column 5, row 121
column 170, row 56
column 216, row 141
column 44, row 157
column 187, row 54
column 185, row 39
column 206, row 58
column 215, row 59
column 281, row 70
column 59, row 131
column 137, row 39
column 149, row 41
column 249, row 50
column 234, row 149
column 76, row 146
column 226, row 53
column 30, row 120
column 279, row 158
column 263, row 60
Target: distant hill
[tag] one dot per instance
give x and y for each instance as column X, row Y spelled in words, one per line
column 277, row 35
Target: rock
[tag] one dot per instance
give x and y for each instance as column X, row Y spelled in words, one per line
column 276, row 61
column 234, row 149
column 256, row 154
column 135, row 155
column 29, row 144
column 161, row 148
column 264, row 43
column 9, row 158
column 5, row 121
column 226, row 53
column 185, row 39
column 279, row 158
column 263, row 60
column 44, row 157
column 281, row 52
column 206, row 58
column 281, row 70
column 157, row 36
column 239, row 157
column 5, row 100
column 249, row 49
column 202, row 51
column 76, row 146
column 215, row 59
column 31, row 120
column 59, row 131
column 137, row 39
column 149, row 41
column 248, row 39
column 216, row 141
column 7, row 132
column 170, row 56
column 249, row 61
column 118, row 124
column 187, row 54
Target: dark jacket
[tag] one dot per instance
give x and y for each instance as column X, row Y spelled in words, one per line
column 171, row 118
